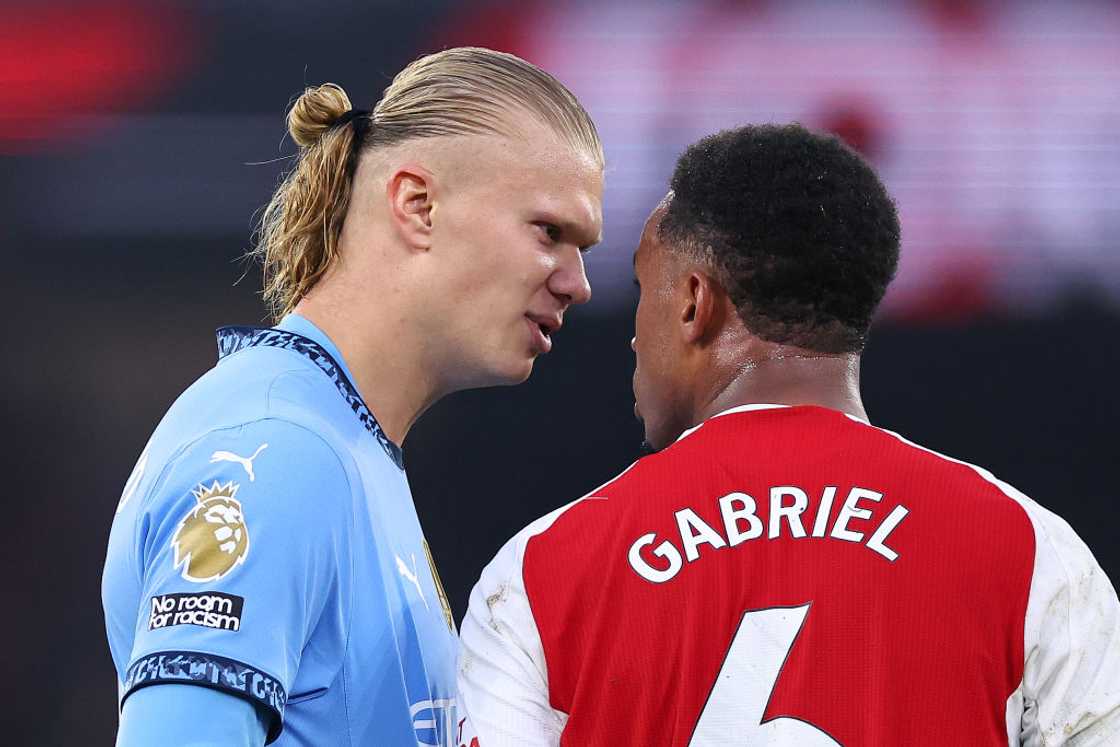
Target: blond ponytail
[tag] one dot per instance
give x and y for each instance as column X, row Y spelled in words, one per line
column 457, row 91
column 297, row 239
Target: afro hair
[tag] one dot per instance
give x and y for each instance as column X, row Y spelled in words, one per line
column 797, row 228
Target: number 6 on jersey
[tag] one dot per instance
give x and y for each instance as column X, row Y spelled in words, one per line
column 737, row 702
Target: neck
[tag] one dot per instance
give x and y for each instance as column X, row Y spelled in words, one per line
column 385, row 360
column 789, row 376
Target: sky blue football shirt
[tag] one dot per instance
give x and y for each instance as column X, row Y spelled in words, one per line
column 266, row 546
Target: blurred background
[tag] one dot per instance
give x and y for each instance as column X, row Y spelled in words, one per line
column 138, row 139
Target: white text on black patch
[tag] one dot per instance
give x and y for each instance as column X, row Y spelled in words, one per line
column 208, row 609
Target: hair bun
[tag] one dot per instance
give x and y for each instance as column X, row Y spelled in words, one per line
column 315, row 111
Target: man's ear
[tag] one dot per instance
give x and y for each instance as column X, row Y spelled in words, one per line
column 702, row 314
column 411, row 194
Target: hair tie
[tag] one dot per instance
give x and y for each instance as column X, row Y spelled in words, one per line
column 358, row 119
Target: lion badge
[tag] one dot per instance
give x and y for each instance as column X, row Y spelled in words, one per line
column 212, row 539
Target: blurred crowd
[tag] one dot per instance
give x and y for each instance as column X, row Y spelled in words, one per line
column 995, row 124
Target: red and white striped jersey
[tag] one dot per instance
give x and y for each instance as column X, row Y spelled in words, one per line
column 793, row 576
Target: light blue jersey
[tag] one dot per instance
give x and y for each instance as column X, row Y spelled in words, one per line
column 266, row 546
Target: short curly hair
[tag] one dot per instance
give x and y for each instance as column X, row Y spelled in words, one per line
column 796, row 226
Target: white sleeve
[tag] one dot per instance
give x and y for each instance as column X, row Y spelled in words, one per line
column 1070, row 694
column 502, row 678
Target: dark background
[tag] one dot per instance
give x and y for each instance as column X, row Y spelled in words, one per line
column 126, row 203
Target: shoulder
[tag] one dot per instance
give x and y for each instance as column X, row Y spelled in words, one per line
column 956, row 484
column 270, row 450
column 591, row 523
column 1067, row 581
column 568, row 538
column 1069, row 613
column 259, row 398
column 579, row 518
column 1057, row 544
column 268, row 467
column 267, row 494
column 262, row 381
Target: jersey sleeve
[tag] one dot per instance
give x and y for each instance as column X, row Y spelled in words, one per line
column 238, row 550
column 1071, row 681
column 169, row 716
column 502, row 677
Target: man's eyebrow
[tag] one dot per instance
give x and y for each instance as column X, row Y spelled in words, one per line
column 573, row 228
column 598, row 240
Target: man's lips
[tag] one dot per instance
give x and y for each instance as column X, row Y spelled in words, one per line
column 540, row 342
column 543, row 326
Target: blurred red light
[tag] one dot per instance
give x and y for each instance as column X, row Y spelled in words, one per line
column 59, row 63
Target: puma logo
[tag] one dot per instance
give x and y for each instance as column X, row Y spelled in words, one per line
column 229, row 456
column 410, row 575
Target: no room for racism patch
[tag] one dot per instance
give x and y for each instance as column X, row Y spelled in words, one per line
column 209, row 609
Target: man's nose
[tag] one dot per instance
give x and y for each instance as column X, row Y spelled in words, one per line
column 570, row 281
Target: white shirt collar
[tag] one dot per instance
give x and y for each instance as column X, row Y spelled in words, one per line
column 751, row 408
column 730, row 411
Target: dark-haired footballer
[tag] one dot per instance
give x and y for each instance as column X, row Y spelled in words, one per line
column 781, row 571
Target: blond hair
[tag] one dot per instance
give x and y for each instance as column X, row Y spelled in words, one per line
column 461, row 91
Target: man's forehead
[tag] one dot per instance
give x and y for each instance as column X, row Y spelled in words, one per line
column 651, row 233
column 569, row 187
column 543, row 173
column 531, row 144
column 556, row 174
column 651, row 238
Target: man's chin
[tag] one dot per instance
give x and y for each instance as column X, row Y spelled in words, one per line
column 511, row 374
column 515, row 374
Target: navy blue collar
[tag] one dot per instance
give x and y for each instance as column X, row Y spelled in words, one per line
column 232, row 339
